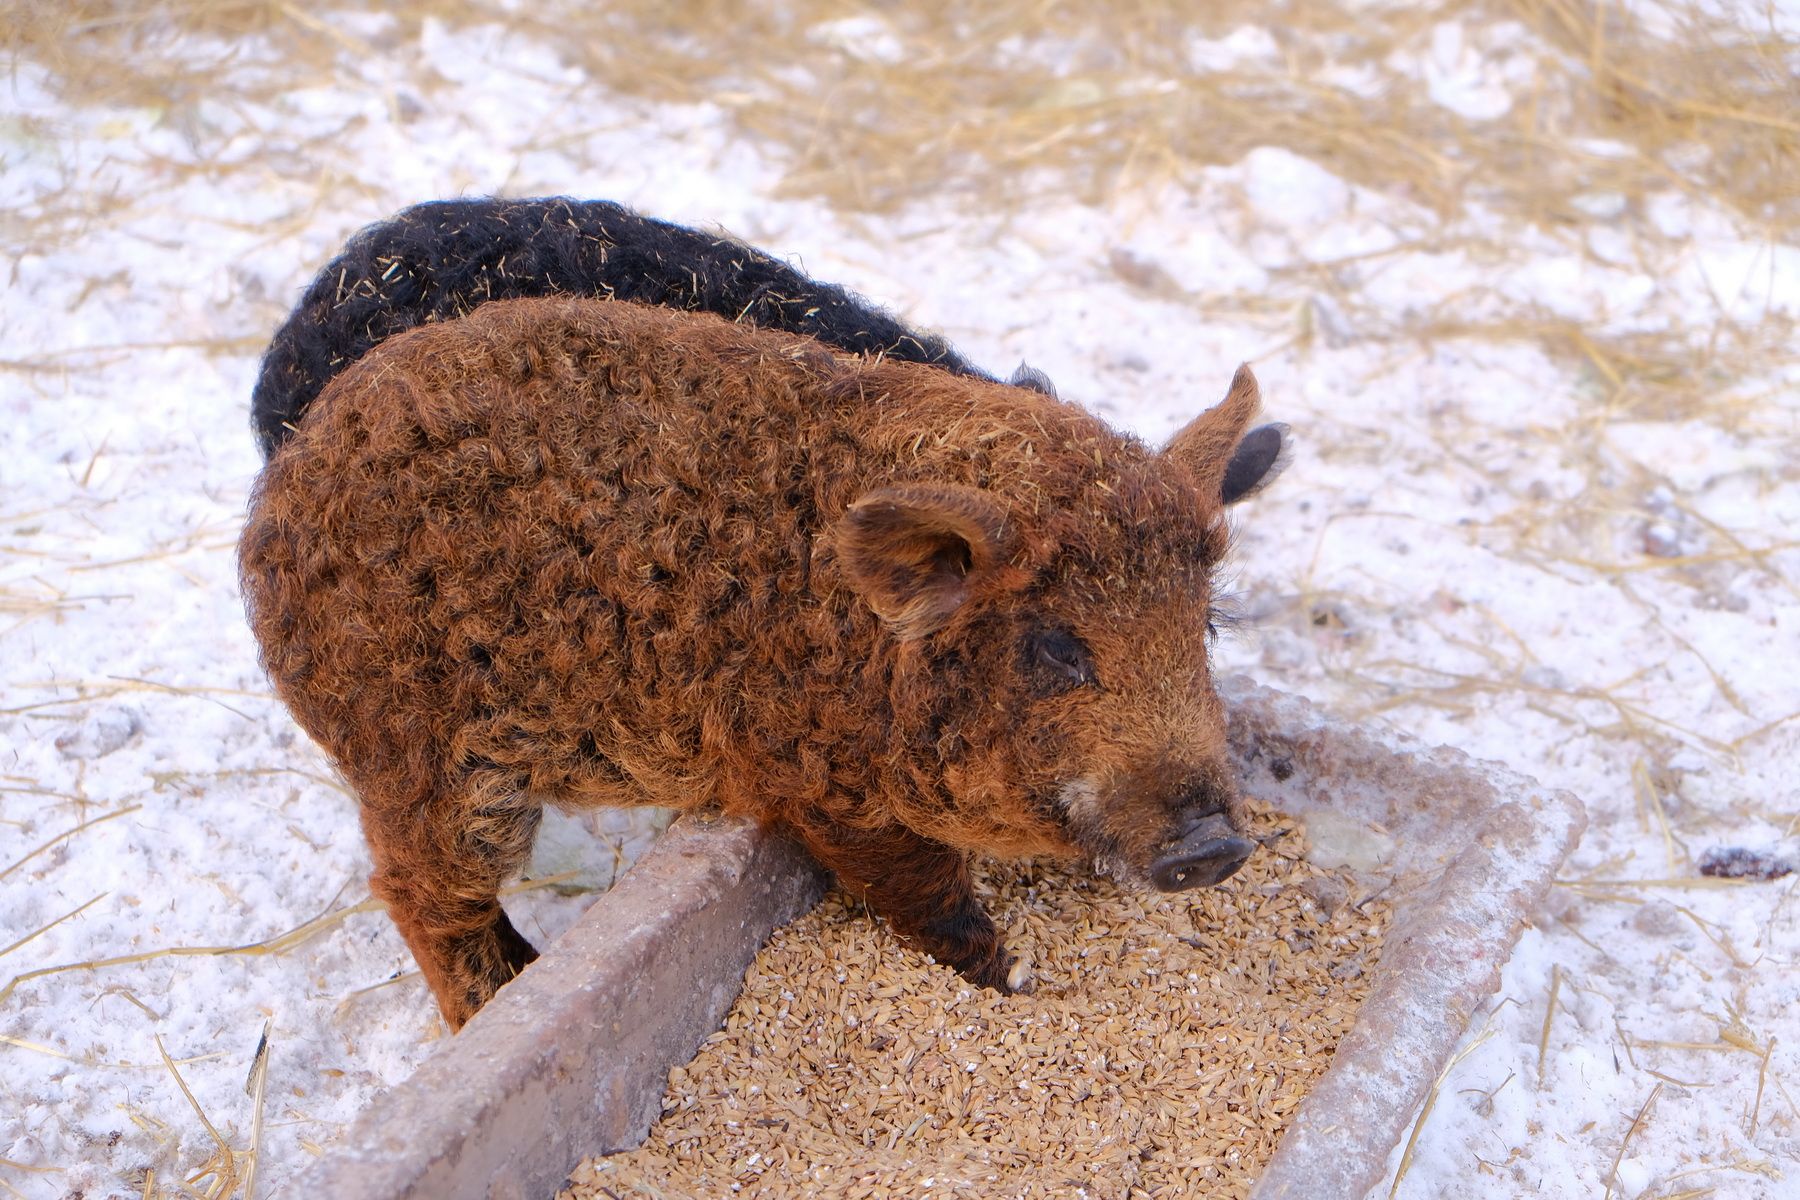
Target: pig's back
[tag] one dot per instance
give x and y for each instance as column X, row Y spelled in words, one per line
column 442, row 259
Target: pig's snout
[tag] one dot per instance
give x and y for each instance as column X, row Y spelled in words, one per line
column 1208, row 850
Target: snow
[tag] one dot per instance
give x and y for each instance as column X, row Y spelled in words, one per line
column 1472, row 544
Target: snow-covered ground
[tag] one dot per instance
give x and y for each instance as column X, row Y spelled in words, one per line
column 1491, row 541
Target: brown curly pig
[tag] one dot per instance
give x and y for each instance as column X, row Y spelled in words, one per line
column 583, row 552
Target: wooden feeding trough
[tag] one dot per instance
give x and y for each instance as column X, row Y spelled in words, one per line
column 571, row 1060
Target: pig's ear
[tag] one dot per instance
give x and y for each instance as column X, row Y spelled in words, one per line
column 1227, row 463
column 1030, row 377
column 1260, row 456
column 912, row 551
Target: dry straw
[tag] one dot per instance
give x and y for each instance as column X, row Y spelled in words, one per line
column 1011, row 99
column 279, row 944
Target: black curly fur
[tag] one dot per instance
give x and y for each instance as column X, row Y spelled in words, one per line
column 437, row 261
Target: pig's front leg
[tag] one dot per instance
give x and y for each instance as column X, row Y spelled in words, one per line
column 923, row 889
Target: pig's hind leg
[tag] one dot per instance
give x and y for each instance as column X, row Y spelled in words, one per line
column 923, row 889
column 439, row 866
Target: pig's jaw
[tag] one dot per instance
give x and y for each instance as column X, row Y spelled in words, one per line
column 1078, row 802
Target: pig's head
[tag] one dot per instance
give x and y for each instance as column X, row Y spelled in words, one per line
column 1052, row 690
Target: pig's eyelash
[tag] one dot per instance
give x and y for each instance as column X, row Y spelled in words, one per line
column 1226, row 615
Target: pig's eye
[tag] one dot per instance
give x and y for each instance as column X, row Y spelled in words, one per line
column 1059, row 660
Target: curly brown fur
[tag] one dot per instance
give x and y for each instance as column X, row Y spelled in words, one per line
column 437, row 261
column 589, row 553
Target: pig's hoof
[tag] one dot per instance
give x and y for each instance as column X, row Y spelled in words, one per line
column 1019, row 979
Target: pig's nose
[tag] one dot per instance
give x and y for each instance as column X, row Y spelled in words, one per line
column 1207, row 851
